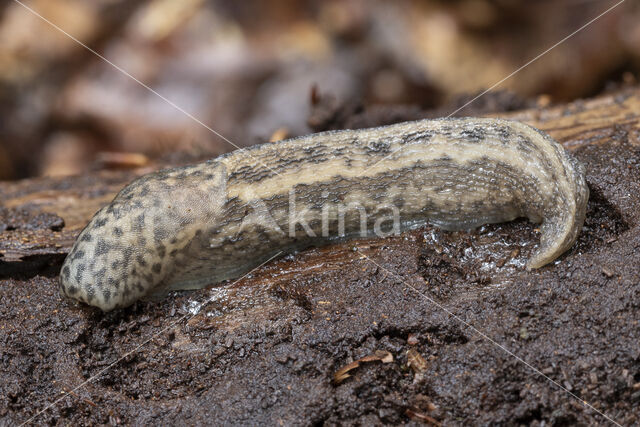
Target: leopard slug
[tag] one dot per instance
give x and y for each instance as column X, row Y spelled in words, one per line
column 188, row 227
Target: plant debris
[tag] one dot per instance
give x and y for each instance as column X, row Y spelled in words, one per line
column 344, row 372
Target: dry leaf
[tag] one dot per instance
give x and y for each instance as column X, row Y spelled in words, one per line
column 416, row 362
column 378, row 356
column 115, row 160
column 279, row 134
column 421, row 416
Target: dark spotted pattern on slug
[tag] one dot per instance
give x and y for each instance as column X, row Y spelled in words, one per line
column 188, row 227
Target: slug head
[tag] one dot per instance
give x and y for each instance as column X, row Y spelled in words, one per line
column 131, row 245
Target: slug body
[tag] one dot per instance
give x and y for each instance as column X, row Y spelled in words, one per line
column 188, row 227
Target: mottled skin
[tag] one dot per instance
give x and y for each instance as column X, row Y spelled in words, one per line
column 188, row 227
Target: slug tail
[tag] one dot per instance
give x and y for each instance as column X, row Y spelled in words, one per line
column 559, row 233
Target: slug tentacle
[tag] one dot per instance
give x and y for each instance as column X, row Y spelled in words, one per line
column 188, row 227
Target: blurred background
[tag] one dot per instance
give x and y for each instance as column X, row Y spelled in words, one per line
column 263, row 70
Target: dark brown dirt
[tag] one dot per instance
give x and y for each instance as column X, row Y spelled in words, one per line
column 265, row 349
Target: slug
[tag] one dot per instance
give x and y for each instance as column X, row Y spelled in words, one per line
column 188, row 227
